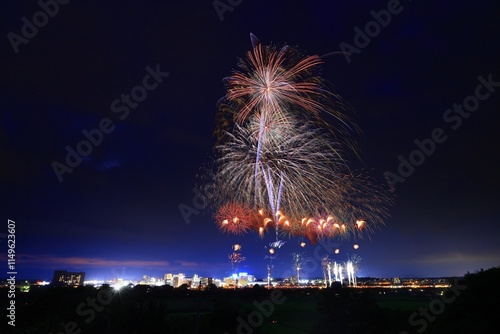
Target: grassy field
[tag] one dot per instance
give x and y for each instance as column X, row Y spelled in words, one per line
column 221, row 311
column 298, row 314
column 405, row 301
column 294, row 316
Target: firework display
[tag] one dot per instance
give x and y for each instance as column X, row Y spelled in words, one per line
column 279, row 165
column 235, row 258
column 297, row 262
column 350, row 267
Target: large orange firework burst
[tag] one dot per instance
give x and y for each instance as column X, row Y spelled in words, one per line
column 271, row 80
column 276, row 82
column 234, row 218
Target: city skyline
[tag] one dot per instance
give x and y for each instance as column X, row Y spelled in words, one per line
column 312, row 270
column 68, row 278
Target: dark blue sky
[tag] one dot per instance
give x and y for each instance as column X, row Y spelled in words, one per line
column 116, row 213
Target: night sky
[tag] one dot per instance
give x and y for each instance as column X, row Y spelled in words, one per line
column 117, row 213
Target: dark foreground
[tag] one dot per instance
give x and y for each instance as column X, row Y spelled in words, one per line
column 472, row 305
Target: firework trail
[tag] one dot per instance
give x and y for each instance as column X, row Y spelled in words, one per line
column 326, row 266
column 235, row 258
column 297, row 261
column 271, row 257
column 279, row 164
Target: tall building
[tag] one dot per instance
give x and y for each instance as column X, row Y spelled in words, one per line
column 195, row 282
column 205, row 281
column 66, row 278
column 169, row 279
column 182, row 279
column 175, row 281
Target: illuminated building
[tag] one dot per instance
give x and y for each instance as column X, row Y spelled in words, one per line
column 195, row 283
column 66, row 278
column 25, row 287
column 176, row 280
column 168, row 279
column 181, row 279
column 205, row 281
